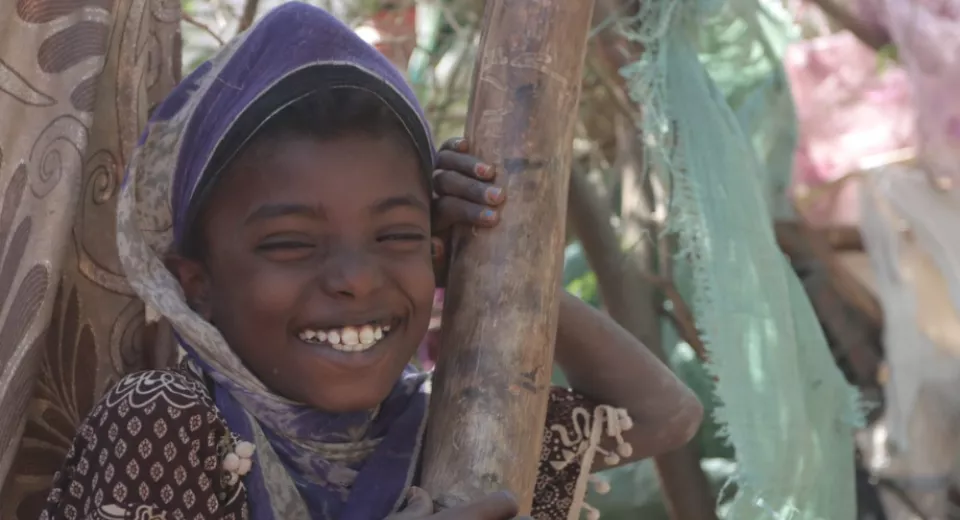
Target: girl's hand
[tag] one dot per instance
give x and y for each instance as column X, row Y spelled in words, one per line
column 465, row 190
column 495, row 506
column 466, row 195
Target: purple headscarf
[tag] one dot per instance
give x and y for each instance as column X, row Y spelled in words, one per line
column 308, row 464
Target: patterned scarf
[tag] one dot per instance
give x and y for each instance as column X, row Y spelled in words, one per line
column 307, row 464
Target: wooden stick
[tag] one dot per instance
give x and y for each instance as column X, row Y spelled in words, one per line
column 250, row 8
column 500, row 315
column 203, row 27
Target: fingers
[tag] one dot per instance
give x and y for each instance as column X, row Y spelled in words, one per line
column 449, row 183
column 451, row 210
column 419, row 504
column 464, row 192
column 497, row 506
column 453, row 155
column 456, row 144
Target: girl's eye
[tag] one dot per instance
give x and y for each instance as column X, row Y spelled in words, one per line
column 402, row 242
column 286, row 250
column 282, row 246
column 402, row 237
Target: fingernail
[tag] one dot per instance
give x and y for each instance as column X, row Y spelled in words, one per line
column 493, row 194
column 488, row 214
column 482, row 170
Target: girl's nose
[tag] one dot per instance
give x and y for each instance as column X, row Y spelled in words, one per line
column 351, row 274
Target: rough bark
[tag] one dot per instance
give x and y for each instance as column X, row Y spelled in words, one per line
column 500, row 313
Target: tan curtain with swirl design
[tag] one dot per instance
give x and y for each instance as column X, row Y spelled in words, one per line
column 77, row 81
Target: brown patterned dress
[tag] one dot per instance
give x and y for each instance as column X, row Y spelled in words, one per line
column 153, row 448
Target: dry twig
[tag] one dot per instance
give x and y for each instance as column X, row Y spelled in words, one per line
column 202, row 26
column 682, row 316
column 250, row 8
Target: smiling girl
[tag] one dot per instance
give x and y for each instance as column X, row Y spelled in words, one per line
column 279, row 213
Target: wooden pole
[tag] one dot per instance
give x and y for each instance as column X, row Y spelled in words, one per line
column 492, row 381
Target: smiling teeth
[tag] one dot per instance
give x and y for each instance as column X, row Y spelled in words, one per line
column 349, row 338
column 366, row 335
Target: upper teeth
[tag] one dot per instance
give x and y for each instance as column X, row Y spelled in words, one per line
column 349, row 338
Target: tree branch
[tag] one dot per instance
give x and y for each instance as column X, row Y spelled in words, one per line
column 873, row 37
column 681, row 316
column 250, row 8
column 202, row 26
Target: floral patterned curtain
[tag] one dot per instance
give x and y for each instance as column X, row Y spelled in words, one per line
column 77, row 81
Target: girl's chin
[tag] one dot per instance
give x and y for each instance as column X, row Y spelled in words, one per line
column 349, row 401
column 349, row 381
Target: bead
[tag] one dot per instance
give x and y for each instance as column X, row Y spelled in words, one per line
column 231, row 462
column 625, row 449
column 245, row 465
column 601, row 486
column 612, row 459
column 244, row 449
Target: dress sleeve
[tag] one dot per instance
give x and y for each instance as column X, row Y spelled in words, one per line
column 151, row 449
column 571, row 440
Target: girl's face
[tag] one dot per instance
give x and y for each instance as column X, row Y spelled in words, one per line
column 317, row 267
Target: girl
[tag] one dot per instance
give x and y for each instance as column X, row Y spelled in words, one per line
column 278, row 214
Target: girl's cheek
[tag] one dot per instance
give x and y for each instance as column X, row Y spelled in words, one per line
column 415, row 277
column 270, row 292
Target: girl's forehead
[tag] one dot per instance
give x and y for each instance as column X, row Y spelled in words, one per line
column 350, row 171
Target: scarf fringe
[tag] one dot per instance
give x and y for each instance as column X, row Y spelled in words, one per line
column 612, row 422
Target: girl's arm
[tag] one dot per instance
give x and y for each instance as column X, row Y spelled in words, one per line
column 610, row 366
column 601, row 360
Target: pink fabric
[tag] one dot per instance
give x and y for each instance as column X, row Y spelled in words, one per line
column 430, row 346
column 847, row 111
column 927, row 36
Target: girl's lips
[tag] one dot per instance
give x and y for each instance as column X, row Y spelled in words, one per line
column 349, row 360
column 355, row 320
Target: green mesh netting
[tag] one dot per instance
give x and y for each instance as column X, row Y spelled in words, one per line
column 785, row 406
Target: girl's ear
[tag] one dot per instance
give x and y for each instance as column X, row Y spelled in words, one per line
column 195, row 282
